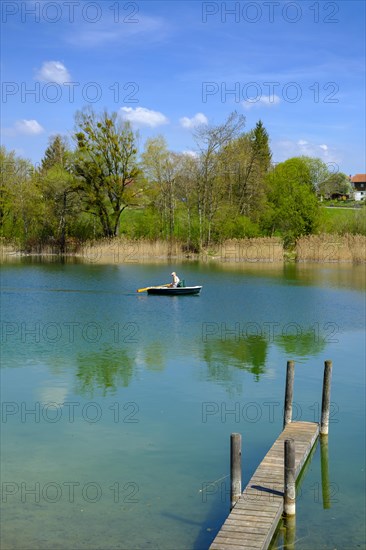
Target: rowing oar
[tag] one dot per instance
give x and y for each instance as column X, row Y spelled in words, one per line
column 147, row 288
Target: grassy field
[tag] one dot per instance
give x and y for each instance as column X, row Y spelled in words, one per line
column 343, row 220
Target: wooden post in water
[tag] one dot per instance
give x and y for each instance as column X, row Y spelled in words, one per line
column 290, row 374
column 324, row 423
column 290, row 533
column 289, row 504
column 235, row 468
column 324, row 464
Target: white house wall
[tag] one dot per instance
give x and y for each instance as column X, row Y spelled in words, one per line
column 360, row 195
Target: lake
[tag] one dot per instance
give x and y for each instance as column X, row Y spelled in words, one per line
column 117, row 407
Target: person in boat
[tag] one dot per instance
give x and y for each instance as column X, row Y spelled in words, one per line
column 176, row 280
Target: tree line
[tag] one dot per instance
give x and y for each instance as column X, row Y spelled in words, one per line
column 104, row 187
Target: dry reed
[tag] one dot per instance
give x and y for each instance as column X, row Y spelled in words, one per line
column 331, row 248
column 264, row 249
column 130, row 251
column 313, row 248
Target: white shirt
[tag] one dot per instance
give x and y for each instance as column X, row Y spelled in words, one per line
column 176, row 280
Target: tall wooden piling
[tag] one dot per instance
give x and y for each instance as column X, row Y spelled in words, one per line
column 324, row 465
column 235, row 468
column 289, row 504
column 290, row 532
column 289, row 392
column 324, row 422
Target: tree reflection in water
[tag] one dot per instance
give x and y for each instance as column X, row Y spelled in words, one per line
column 106, row 370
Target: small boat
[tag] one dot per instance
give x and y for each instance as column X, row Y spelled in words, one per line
column 174, row 291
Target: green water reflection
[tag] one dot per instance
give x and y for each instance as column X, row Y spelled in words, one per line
column 250, row 354
column 105, row 370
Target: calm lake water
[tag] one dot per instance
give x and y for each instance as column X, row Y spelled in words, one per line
column 117, row 407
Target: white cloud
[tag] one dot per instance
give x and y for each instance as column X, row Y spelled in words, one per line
column 53, row 71
column 28, row 127
column 198, row 119
column 137, row 29
column 143, row 117
column 190, row 153
column 264, row 100
column 312, row 149
column 270, row 100
column 286, row 149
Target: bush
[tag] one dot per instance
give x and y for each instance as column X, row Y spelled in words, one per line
column 140, row 224
column 230, row 225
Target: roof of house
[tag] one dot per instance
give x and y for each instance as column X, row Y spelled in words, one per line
column 359, row 178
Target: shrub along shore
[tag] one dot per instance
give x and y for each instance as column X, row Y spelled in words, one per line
column 312, row 248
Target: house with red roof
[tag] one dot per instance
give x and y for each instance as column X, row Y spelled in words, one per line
column 358, row 183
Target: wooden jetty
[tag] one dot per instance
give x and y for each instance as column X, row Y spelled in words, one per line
column 270, row 493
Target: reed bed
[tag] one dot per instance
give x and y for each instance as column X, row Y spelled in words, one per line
column 261, row 249
column 235, row 250
column 7, row 252
column 131, row 251
column 331, row 248
column 313, row 248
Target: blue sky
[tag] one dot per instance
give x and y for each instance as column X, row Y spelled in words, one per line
column 167, row 66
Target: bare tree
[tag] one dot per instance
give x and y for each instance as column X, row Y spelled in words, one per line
column 210, row 141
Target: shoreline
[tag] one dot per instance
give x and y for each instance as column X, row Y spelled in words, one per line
column 325, row 248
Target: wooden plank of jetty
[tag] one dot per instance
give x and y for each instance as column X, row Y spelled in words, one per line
column 252, row 522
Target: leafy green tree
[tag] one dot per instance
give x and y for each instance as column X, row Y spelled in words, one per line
column 335, row 183
column 160, row 167
column 319, row 171
column 21, row 204
column 56, row 154
column 56, row 184
column 9, row 165
column 261, row 149
column 248, row 159
column 105, row 167
column 292, row 203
